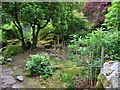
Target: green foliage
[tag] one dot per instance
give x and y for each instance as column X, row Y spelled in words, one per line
column 47, row 35
column 27, row 35
column 39, row 65
column 112, row 20
column 83, row 73
column 78, row 24
column 35, row 10
column 12, row 50
column 59, row 14
column 66, row 77
column 95, row 40
column 47, row 30
column 10, row 31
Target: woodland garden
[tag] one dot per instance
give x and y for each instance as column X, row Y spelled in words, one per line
column 58, row 44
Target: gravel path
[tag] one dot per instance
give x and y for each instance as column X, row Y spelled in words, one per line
column 8, row 79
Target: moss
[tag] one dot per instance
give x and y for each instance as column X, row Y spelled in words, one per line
column 12, row 50
column 101, row 81
column 99, row 84
column 99, row 77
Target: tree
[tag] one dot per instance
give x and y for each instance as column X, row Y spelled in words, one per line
column 112, row 20
column 11, row 13
column 37, row 16
column 66, row 21
column 95, row 11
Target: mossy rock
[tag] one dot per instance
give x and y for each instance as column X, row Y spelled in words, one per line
column 99, row 84
column 101, row 81
column 12, row 50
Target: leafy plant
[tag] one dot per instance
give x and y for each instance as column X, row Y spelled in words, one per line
column 94, row 41
column 39, row 65
column 112, row 20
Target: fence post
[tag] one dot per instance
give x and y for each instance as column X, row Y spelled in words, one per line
column 102, row 55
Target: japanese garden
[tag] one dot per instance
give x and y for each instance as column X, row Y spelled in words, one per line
column 67, row 45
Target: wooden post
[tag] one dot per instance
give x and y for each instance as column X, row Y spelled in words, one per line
column 102, row 56
column 54, row 47
column 91, row 67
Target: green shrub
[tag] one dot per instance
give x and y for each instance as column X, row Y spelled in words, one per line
column 39, row 65
column 12, row 50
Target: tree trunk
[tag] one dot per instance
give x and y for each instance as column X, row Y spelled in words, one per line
column 33, row 38
column 34, row 42
column 35, row 34
column 18, row 24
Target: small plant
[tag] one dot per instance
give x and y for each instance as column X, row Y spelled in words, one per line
column 66, row 77
column 39, row 65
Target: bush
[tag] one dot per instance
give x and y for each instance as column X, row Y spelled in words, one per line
column 12, row 50
column 39, row 65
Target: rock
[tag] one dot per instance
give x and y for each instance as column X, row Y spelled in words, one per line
column 106, row 69
column 9, row 60
column 115, row 66
column 9, row 80
column 3, row 76
column 5, row 86
column 8, row 72
column 109, row 76
column 20, row 78
column 17, row 86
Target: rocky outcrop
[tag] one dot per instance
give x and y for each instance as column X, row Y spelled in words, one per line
column 109, row 76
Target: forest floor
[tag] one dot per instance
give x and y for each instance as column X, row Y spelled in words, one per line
column 62, row 78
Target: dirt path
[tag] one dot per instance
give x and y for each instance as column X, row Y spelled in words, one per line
column 19, row 60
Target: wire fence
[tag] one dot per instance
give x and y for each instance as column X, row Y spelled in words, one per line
column 88, row 59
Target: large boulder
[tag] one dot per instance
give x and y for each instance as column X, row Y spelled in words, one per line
column 109, row 76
